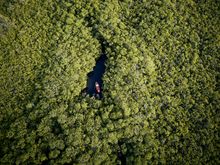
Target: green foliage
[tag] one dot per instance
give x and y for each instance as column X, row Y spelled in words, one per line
column 161, row 85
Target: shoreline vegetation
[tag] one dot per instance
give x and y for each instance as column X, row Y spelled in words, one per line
column 160, row 86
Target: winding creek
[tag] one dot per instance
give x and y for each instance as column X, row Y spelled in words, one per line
column 96, row 76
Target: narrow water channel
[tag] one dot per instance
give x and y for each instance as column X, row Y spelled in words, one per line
column 96, row 76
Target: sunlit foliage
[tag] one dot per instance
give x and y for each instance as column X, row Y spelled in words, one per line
column 161, row 85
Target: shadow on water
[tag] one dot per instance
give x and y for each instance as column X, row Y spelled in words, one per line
column 96, row 76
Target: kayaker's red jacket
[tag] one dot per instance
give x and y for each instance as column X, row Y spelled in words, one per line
column 97, row 87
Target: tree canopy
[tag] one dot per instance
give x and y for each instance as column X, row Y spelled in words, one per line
column 160, row 89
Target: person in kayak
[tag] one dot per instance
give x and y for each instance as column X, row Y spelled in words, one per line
column 97, row 87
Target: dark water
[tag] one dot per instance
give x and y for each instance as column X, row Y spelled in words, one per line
column 96, row 76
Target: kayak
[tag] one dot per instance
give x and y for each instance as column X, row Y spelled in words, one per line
column 97, row 87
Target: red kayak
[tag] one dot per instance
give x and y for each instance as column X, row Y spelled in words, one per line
column 97, row 87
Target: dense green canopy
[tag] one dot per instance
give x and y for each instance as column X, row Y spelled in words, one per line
column 161, row 86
